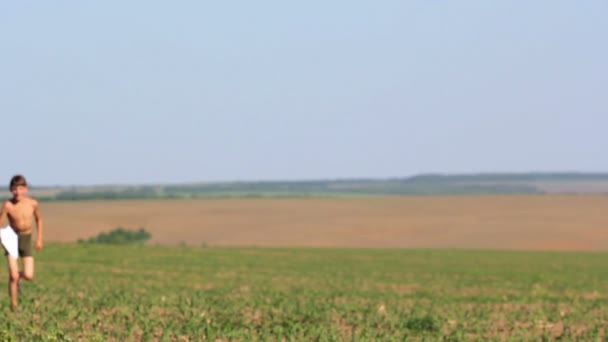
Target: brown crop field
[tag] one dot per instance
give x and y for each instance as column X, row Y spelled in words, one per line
column 567, row 222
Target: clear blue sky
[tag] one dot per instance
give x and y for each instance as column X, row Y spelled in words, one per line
column 105, row 92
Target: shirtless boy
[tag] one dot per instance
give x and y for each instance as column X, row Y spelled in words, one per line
column 21, row 211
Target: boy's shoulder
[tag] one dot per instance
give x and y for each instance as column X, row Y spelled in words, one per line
column 27, row 200
column 32, row 200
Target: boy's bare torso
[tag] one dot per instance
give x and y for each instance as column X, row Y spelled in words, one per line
column 21, row 214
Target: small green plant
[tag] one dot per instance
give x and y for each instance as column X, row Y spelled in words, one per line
column 6, row 336
column 120, row 236
column 423, row 323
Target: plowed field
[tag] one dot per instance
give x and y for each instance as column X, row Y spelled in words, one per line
column 481, row 222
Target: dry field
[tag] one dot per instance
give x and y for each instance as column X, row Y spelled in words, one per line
column 488, row 222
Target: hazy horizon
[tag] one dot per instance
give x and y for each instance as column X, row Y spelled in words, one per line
column 345, row 179
column 146, row 92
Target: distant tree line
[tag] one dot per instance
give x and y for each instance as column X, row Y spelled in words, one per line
column 511, row 177
column 301, row 190
column 428, row 184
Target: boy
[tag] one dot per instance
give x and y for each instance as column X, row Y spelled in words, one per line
column 21, row 211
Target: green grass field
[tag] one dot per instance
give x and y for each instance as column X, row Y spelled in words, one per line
column 92, row 292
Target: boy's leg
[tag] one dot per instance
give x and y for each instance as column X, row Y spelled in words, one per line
column 13, row 273
column 25, row 251
column 28, row 268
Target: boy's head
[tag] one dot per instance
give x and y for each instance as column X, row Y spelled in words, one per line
column 18, row 186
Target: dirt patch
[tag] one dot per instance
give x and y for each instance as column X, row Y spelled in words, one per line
column 488, row 222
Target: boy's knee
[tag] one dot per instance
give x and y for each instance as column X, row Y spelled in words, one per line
column 13, row 277
column 28, row 276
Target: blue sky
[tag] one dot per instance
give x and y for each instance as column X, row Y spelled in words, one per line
column 106, row 92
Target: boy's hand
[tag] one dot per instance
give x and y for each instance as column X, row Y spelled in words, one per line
column 39, row 245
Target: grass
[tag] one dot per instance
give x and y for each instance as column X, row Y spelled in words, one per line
column 91, row 292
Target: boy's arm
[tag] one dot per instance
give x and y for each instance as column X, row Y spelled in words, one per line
column 39, row 225
column 2, row 215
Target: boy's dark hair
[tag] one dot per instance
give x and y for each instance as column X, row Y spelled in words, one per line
column 17, row 180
